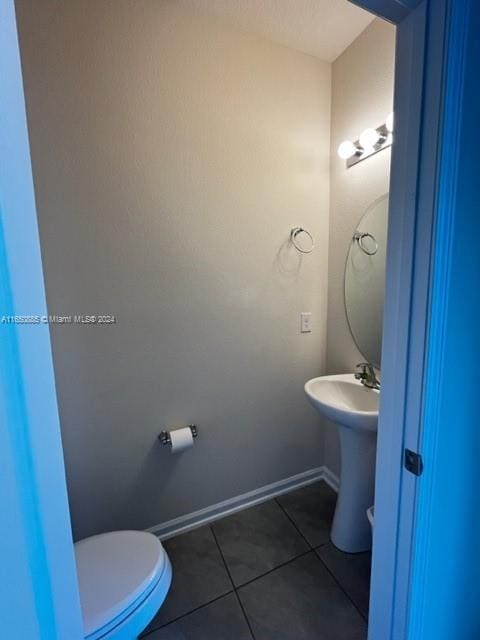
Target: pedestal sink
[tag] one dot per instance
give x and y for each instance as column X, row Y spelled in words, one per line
column 354, row 408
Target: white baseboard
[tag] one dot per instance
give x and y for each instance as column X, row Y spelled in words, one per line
column 195, row 519
column 331, row 478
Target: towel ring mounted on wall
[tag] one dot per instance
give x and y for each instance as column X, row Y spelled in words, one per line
column 360, row 236
column 296, row 231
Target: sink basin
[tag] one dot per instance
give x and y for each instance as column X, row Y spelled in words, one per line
column 344, row 400
column 354, row 409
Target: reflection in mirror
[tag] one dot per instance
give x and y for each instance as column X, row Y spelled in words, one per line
column 365, row 280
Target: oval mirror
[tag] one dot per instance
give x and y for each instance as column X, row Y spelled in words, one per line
column 365, row 280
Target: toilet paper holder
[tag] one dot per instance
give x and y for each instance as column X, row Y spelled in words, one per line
column 164, row 436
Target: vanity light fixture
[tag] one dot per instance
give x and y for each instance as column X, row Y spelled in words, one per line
column 347, row 149
column 370, row 141
column 371, row 137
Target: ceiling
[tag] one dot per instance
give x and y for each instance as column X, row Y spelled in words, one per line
column 322, row 28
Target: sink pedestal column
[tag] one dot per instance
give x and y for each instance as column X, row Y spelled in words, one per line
column 351, row 531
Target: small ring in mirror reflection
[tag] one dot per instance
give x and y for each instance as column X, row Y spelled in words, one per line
column 360, row 238
column 293, row 237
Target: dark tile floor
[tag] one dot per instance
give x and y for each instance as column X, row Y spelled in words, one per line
column 266, row 573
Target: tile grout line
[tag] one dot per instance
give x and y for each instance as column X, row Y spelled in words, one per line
column 342, row 588
column 187, row 613
column 294, row 524
column 314, row 549
column 233, row 590
column 234, row 587
column 280, row 566
column 240, row 604
column 223, row 557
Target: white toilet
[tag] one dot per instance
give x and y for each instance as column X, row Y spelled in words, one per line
column 123, row 577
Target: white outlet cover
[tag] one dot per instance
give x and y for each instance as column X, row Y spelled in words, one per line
column 306, row 322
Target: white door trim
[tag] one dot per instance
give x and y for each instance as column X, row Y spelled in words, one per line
column 392, row 10
column 418, row 84
column 39, row 586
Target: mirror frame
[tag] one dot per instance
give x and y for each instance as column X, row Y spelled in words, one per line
column 372, row 205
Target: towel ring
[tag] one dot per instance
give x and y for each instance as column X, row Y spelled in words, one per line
column 293, row 237
column 359, row 236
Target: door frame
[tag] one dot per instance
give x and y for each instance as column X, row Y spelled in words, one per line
column 40, row 554
column 413, row 196
column 38, row 590
column 394, row 11
column 424, row 48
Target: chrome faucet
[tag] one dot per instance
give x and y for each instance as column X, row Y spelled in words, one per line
column 365, row 372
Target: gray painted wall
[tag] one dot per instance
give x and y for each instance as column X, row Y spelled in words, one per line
column 362, row 96
column 171, row 157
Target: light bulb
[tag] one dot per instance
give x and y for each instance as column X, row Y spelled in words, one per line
column 369, row 138
column 346, row 149
column 389, row 122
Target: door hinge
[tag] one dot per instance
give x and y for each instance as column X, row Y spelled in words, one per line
column 413, row 462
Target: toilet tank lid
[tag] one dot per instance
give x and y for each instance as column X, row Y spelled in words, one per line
column 114, row 570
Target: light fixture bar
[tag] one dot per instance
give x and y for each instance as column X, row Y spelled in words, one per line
column 384, row 140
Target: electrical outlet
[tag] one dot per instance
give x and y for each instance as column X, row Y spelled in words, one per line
column 306, row 322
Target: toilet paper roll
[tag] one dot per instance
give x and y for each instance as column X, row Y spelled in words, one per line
column 181, row 439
